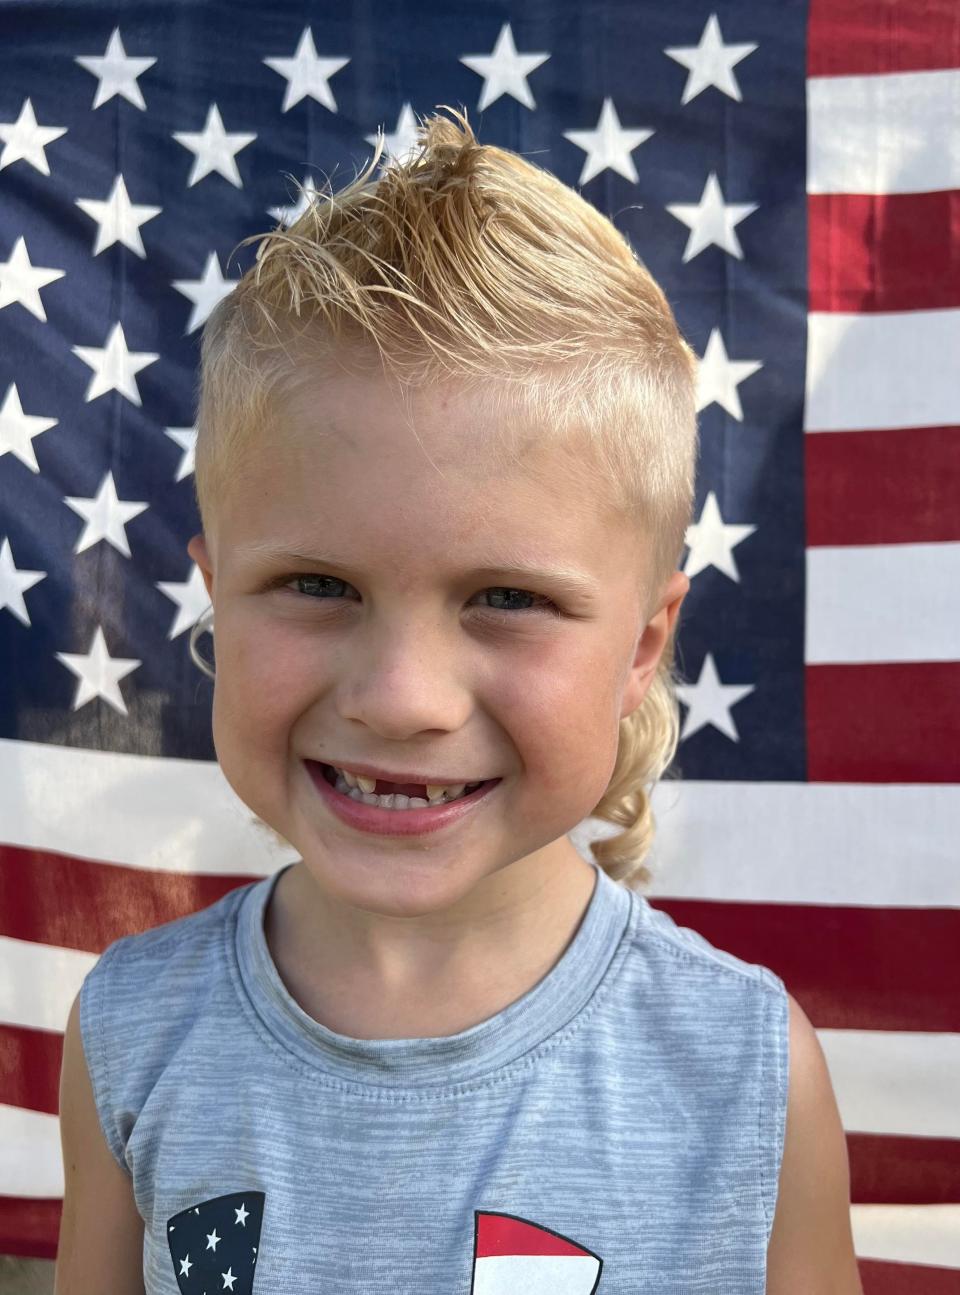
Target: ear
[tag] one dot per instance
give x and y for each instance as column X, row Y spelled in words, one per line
column 652, row 642
column 197, row 548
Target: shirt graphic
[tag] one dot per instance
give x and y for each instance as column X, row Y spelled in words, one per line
column 214, row 1248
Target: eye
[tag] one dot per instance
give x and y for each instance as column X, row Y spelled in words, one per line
column 316, row 584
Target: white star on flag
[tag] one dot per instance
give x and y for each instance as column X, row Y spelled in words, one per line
column 115, row 368
column 711, row 220
column 14, row 582
column 21, row 281
column 504, row 71
column 214, row 149
column 18, row 429
column 99, row 673
column 718, row 377
column 709, row 702
column 117, row 72
column 711, row 541
column 191, row 598
column 307, row 73
column 306, row 195
column 710, row 63
column 608, row 145
column 404, row 139
column 24, row 139
column 105, row 516
column 186, row 438
column 118, row 219
column 205, row 293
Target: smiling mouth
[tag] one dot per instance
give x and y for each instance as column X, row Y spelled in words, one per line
column 394, row 792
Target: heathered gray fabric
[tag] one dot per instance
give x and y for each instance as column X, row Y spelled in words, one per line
column 618, row 1129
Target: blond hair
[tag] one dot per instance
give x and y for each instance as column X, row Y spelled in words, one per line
column 464, row 262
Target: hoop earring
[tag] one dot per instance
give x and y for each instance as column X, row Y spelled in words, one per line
column 204, row 622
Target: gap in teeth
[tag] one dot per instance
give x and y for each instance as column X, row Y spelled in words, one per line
column 351, row 785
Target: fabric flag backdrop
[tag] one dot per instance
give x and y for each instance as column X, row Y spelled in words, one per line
column 790, row 173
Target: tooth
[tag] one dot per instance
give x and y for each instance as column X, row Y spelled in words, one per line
column 435, row 793
column 349, row 778
column 366, row 784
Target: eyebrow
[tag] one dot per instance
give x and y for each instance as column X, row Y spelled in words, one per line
column 568, row 580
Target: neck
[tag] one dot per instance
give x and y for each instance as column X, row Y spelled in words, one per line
column 416, row 983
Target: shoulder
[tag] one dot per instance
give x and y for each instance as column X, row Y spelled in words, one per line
column 162, row 964
column 811, row 1244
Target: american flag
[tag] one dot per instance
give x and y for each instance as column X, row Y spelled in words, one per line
column 790, row 174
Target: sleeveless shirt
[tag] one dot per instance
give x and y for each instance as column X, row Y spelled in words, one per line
column 618, row 1129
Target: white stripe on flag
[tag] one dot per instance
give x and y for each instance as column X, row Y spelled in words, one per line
column 782, row 843
column 759, row 842
column 32, row 1160
column 882, row 370
column 140, row 811
column 895, row 1082
column 891, row 133
column 39, row 982
column 883, row 602
column 908, row 1234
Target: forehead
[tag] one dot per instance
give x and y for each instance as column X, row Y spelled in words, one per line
column 407, row 475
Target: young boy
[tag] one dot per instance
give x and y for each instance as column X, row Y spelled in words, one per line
column 445, row 467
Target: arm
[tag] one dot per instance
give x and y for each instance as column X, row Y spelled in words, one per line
column 811, row 1245
column 101, row 1232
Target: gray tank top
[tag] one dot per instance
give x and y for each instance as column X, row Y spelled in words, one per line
column 619, row 1129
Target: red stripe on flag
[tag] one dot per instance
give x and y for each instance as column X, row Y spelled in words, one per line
column 81, row 904
column 884, row 252
column 30, row 1062
column 860, row 37
column 895, row 486
column 890, row 1170
column 30, row 1226
column 846, row 985
column 880, row 1278
column 886, row 722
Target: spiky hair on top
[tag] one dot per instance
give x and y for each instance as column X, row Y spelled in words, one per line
column 464, row 263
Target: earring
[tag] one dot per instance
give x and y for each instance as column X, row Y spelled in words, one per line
column 204, row 622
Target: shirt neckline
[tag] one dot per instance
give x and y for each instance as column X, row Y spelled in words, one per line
column 410, row 1063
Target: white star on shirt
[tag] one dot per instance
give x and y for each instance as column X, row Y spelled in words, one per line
column 14, row 582
column 709, row 702
column 186, row 438
column 241, row 1214
column 307, row 73
column 711, row 220
column 404, row 139
column 712, row 541
column 105, row 516
column 118, row 219
column 228, row 1278
column 117, row 71
column 18, row 429
column 608, row 145
column 214, row 149
column 205, row 293
column 718, row 377
column 23, row 138
column 191, row 598
column 115, row 368
column 21, row 281
column 213, row 1240
column 710, row 63
column 504, row 71
column 99, row 673
column 307, row 195
column 185, row 1266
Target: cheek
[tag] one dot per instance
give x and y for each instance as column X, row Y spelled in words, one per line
column 562, row 709
column 257, row 691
